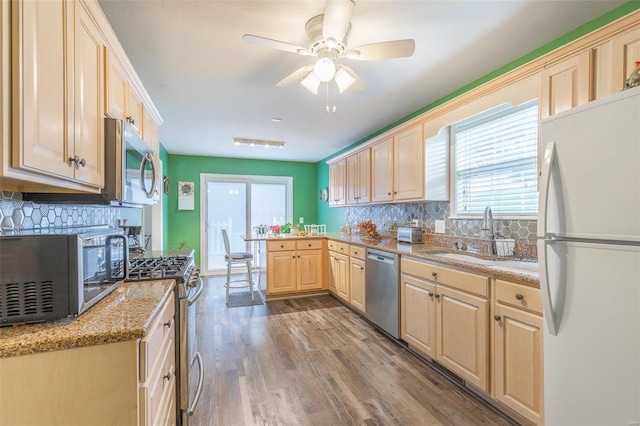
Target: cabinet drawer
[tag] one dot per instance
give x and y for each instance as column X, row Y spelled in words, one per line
column 358, row 252
column 332, row 245
column 161, row 330
column 519, row 295
column 309, row 244
column 461, row 280
column 281, row 245
column 343, row 248
column 157, row 393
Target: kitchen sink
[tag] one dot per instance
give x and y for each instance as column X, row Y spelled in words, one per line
column 514, row 266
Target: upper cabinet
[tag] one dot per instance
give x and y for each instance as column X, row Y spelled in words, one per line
column 67, row 74
column 57, row 88
column 359, row 177
column 116, row 87
column 337, row 181
column 565, row 85
column 397, row 166
column 614, row 62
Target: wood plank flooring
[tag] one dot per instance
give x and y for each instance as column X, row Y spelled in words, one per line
column 315, row 362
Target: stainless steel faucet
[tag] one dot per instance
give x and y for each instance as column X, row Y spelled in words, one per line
column 487, row 225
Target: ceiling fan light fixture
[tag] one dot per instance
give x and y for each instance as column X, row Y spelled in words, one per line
column 324, row 69
column 311, row 83
column 344, row 80
column 352, row 54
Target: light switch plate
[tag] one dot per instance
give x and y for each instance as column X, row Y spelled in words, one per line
column 301, row 220
column 439, row 226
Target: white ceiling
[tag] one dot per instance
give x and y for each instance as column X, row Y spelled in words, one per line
column 210, row 86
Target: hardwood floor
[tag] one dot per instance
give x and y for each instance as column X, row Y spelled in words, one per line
column 315, row 362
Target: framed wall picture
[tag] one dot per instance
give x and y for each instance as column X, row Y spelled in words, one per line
column 186, row 198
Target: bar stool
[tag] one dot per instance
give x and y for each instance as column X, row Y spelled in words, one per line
column 237, row 258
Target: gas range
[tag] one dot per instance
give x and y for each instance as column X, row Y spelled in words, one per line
column 179, row 268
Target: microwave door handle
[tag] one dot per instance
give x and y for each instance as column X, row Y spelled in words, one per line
column 124, row 256
column 148, row 158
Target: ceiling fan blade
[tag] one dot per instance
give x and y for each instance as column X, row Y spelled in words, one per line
column 337, row 18
column 347, row 79
column 295, row 76
column 275, row 44
column 383, row 50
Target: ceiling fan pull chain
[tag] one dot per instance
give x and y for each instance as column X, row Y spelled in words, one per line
column 326, row 108
column 334, row 94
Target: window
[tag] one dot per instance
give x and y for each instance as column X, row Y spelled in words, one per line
column 495, row 162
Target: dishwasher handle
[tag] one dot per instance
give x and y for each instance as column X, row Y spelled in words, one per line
column 379, row 256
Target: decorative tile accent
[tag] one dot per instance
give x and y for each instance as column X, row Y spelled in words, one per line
column 21, row 215
column 390, row 216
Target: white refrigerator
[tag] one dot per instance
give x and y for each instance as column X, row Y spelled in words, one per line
column 589, row 258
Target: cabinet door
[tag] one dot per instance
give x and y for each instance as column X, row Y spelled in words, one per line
column 418, row 314
column 309, row 269
column 333, row 273
column 625, row 52
column 42, row 86
column 352, row 179
column 518, row 360
column 357, row 282
column 135, row 111
column 364, row 176
column 342, row 277
column 408, row 165
column 116, row 87
column 565, row 85
column 281, row 272
column 337, row 172
column 463, row 335
column 382, row 171
column 88, row 103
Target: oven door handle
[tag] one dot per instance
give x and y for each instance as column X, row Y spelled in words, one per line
column 192, row 299
column 109, row 257
column 196, row 398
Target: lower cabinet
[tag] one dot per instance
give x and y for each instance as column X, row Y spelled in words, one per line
column 357, row 278
column 125, row 383
column 445, row 315
column 518, row 351
column 340, row 285
column 295, row 266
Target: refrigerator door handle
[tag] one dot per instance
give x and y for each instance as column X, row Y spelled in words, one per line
column 545, row 182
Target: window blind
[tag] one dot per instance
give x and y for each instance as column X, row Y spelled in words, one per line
column 495, row 160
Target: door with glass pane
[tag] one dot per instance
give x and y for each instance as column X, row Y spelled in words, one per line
column 238, row 204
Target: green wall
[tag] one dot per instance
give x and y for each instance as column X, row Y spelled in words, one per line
column 333, row 217
column 184, row 225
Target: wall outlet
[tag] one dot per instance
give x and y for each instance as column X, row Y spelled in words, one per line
column 439, row 226
column 415, row 222
column 301, row 220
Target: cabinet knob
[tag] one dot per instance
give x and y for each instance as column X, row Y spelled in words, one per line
column 83, row 162
column 281, row 245
column 434, row 274
column 497, row 317
column 293, row 257
column 72, row 160
column 395, row 192
column 309, row 245
column 430, row 294
column 130, row 120
column 167, row 376
column 298, row 256
column 388, row 193
column 437, row 296
column 519, row 296
column 167, row 324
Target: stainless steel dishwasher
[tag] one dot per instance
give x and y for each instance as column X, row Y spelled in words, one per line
column 383, row 291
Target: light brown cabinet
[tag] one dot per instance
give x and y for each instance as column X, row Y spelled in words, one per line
column 518, row 350
column 357, row 278
column 294, row 266
column 337, row 182
column 397, row 167
column 358, row 171
column 565, row 85
column 57, row 92
column 116, row 87
column 340, row 270
column 135, row 111
column 614, row 61
column 125, row 383
column 445, row 315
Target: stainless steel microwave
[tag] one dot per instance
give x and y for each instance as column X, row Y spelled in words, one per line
column 130, row 172
column 58, row 273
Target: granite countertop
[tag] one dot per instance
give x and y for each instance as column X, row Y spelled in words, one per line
column 125, row 314
column 428, row 251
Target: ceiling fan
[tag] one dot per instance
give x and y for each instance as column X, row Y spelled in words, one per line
column 328, row 41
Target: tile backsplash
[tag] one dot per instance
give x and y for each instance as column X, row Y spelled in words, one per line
column 388, row 216
column 16, row 215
